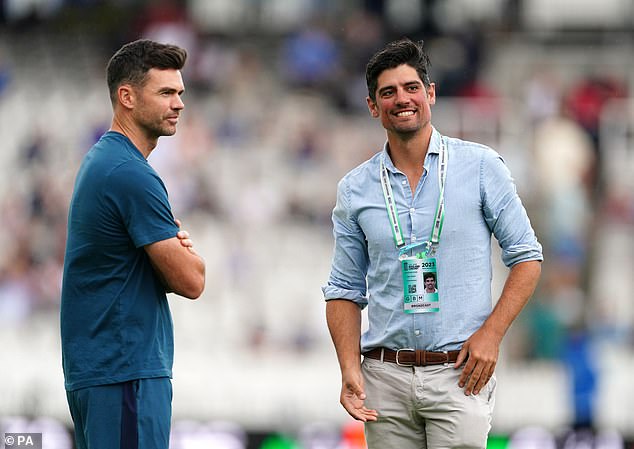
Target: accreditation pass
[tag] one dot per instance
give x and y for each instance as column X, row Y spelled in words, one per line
column 420, row 282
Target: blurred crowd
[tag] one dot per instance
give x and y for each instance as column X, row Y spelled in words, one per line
column 275, row 114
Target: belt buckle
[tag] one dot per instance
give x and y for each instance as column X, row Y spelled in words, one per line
column 398, row 352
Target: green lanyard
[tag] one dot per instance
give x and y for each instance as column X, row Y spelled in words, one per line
column 392, row 212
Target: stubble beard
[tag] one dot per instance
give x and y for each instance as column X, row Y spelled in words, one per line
column 406, row 133
column 156, row 130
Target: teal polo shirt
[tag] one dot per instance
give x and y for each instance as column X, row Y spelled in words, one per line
column 115, row 319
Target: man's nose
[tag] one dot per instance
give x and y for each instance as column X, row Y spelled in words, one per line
column 401, row 96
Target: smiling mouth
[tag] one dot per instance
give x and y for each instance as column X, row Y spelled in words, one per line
column 404, row 113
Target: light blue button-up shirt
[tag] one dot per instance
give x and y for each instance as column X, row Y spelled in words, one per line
column 480, row 200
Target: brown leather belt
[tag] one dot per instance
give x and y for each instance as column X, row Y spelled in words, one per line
column 412, row 357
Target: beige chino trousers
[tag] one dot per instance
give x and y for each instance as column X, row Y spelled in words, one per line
column 424, row 408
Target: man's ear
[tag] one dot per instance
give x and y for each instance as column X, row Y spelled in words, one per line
column 431, row 93
column 374, row 112
column 126, row 96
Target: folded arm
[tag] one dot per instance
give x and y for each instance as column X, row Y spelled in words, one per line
column 181, row 270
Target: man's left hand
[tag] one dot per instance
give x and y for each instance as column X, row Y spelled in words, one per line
column 481, row 353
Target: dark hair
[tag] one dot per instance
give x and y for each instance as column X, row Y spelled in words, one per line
column 429, row 274
column 394, row 54
column 131, row 63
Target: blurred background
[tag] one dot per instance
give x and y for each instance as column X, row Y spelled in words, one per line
column 275, row 115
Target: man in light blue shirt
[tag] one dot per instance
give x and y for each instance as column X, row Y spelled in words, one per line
column 426, row 202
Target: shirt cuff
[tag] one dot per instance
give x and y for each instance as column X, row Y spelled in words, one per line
column 333, row 292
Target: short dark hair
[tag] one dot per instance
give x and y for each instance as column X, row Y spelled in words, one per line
column 394, row 54
column 429, row 274
column 132, row 62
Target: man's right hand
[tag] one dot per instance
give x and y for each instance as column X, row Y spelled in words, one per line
column 352, row 398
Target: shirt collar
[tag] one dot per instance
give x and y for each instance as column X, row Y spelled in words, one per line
column 434, row 148
column 129, row 145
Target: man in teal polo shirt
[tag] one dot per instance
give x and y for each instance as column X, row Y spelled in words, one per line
column 124, row 252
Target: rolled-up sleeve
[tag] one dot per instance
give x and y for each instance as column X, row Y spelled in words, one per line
column 348, row 272
column 505, row 214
